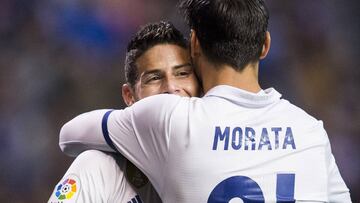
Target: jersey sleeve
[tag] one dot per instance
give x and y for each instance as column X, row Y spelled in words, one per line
column 94, row 176
column 84, row 132
column 141, row 132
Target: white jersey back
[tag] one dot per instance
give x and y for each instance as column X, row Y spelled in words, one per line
column 229, row 145
column 96, row 176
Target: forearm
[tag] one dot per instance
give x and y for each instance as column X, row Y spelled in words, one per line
column 82, row 133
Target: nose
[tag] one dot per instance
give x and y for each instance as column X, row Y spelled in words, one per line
column 171, row 86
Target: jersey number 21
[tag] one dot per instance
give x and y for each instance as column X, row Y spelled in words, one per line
column 250, row 192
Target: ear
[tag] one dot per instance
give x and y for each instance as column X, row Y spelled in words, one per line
column 266, row 46
column 127, row 94
column 195, row 48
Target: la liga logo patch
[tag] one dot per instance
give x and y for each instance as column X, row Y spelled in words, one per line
column 67, row 189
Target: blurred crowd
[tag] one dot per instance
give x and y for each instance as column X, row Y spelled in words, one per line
column 59, row 58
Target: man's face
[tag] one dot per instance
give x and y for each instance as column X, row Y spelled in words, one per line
column 164, row 68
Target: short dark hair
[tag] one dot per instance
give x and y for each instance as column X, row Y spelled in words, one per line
column 229, row 31
column 148, row 36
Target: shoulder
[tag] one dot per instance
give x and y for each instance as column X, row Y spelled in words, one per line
column 163, row 101
column 157, row 107
column 97, row 161
column 99, row 169
column 297, row 112
column 94, row 176
column 96, row 156
column 310, row 128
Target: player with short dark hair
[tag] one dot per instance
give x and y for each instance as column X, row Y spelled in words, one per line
column 147, row 37
column 239, row 142
column 224, row 35
column 157, row 61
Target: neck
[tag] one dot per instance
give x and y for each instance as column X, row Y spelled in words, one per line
column 247, row 79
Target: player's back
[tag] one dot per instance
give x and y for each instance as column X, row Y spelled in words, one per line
column 228, row 146
column 232, row 144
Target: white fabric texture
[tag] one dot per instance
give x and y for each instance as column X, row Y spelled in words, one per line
column 188, row 147
column 100, row 177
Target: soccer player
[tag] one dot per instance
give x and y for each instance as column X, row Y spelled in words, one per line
column 157, row 61
column 238, row 143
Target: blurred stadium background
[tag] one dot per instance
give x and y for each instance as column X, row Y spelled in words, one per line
column 59, row 58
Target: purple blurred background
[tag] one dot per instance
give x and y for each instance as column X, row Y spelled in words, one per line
column 59, row 58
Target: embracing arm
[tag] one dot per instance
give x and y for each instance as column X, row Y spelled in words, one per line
column 139, row 132
column 136, row 132
column 84, row 132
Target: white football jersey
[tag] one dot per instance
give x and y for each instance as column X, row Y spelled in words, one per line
column 95, row 176
column 228, row 146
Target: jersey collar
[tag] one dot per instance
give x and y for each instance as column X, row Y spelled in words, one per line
column 245, row 98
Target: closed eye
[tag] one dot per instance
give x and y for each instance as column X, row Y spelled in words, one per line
column 183, row 73
column 183, row 70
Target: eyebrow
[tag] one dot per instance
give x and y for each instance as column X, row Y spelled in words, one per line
column 181, row 65
column 149, row 72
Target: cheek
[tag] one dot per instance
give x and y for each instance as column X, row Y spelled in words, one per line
column 192, row 87
column 148, row 91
